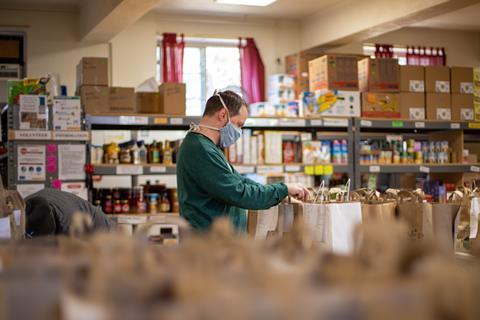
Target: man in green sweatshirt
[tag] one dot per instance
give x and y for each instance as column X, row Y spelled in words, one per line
column 208, row 185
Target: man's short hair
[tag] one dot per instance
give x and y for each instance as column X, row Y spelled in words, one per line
column 232, row 100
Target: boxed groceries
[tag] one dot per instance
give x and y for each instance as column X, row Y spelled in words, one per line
column 461, row 80
column 172, row 98
column 296, row 65
column 95, row 99
column 380, row 105
column 412, row 105
column 412, row 78
column 331, row 103
column 437, row 79
column 147, row 102
column 92, row 72
column 378, row 75
column 438, row 106
column 122, row 100
column 462, row 107
column 333, row 72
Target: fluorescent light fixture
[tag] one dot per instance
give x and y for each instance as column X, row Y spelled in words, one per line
column 257, row 3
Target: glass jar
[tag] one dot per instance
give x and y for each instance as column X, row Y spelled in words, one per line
column 108, row 204
column 153, row 203
column 125, row 206
column 117, row 206
column 165, row 203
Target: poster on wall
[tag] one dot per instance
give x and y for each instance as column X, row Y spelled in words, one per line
column 31, row 163
column 33, row 112
column 67, row 114
column 71, row 161
column 28, row 189
column 77, row 188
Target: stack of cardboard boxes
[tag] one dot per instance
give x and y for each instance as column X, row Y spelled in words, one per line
column 437, row 87
column 98, row 97
column 476, row 93
column 379, row 84
column 462, row 93
column 296, row 66
column 333, row 87
column 412, row 92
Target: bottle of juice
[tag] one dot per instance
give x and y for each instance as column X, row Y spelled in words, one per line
column 160, row 152
column 154, row 154
column 167, row 154
column 135, row 153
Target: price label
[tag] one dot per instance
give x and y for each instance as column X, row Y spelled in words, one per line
column 335, row 122
column 158, row 169
column 71, row 135
column 328, row 170
column 398, row 124
column 319, row 170
column 245, row 169
column 176, row 121
column 130, row 169
column 475, row 169
column 419, row 124
column 455, row 125
column 365, row 123
column 292, row 168
column 474, row 125
column 316, row 123
column 374, row 169
column 292, row 122
column 30, row 135
column 133, row 120
column 131, row 220
column 424, row 169
column 160, row 120
column 269, row 169
column 310, row 170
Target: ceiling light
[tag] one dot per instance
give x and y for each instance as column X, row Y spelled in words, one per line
column 257, row 3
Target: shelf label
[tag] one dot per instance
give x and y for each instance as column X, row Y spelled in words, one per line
column 158, row 169
column 71, row 135
column 131, row 220
column 177, row 121
column 474, row 125
column 365, row 123
column 292, row 168
column 419, row 124
column 31, row 135
column 309, row 170
column 292, row 122
column 133, row 120
column 398, row 124
column 424, row 169
column 319, row 170
column 328, row 170
column 335, row 122
column 269, row 169
column 316, row 123
column 159, row 120
column 245, row 169
column 374, row 168
column 455, row 125
column 475, row 169
column 130, row 169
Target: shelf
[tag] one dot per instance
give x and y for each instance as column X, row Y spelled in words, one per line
column 423, row 168
column 42, row 135
column 416, row 124
column 158, row 169
column 141, row 218
column 107, row 121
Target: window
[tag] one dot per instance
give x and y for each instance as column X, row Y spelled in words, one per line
column 208, row 64
column 399, row 52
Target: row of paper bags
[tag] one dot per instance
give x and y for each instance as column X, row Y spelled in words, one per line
column 331, row 225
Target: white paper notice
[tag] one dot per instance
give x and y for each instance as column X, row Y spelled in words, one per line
column 76, row 188
column 27, row 189
column 33, row 112
column 31, row 163
column 71, row 161
column 5, row 231
column 66, row 114
column 474, row 213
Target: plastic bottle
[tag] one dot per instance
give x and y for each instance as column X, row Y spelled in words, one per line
column 135, row 153
column 142, row 152
column 167, row 154
column 165, row 203
column 154, row 154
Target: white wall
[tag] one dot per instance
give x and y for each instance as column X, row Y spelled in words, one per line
column 462, row 47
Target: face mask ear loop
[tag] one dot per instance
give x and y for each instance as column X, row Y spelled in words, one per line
column 224, row 105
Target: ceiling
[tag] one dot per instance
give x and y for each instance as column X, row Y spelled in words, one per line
column 56, row 5
column 285, row 9
column 464, row 19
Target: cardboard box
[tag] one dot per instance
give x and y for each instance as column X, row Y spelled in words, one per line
column 148, row 102
column 461, row 80
column 462, row 107
column 296, row 65
column 412, row 79
column 378, row 75
column 172, row 98
column 280, row 81
column 92, row 72
column 94, row 99
column 412, row 105
column 476, row 82
column 122, row 100
column 279, row 96
column 476, row 110
column 437, row 79
column 438, row 106
column 331, row 103
column 333, row 72
column 380, row 105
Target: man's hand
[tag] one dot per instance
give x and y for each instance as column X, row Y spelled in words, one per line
column 298, row 191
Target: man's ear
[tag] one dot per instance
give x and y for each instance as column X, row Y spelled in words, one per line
column 222, row 114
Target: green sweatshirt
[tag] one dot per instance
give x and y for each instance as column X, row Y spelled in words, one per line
column 209, row 187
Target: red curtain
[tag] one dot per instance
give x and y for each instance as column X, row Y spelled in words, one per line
column 252, row 71
column 383, row 51
column 172, row 58
column 423, row 56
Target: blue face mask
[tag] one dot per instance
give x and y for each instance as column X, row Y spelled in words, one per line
column 230, row 133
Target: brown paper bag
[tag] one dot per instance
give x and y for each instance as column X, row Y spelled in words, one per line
column 444, row 218
column 417, row 215
column 376, row 208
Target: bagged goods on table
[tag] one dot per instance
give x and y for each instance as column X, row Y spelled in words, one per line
column 374, row 207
